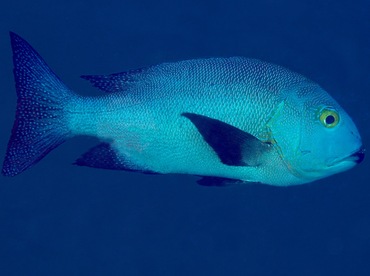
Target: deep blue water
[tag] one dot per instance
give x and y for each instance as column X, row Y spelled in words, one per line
column 59, row 219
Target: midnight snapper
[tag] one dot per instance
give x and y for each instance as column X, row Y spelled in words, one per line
column 228, row 120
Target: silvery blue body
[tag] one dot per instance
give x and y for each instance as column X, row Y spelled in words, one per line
column 226, row 119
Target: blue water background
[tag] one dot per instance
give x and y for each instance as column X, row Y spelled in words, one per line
column 59, row 219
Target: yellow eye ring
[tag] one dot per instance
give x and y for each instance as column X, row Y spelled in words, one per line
column 329, row 117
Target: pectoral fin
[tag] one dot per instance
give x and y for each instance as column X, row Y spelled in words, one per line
column 233, row 146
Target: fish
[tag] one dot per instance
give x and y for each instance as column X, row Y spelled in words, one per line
column 231, row 120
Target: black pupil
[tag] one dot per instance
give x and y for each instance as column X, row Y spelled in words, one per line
column 330, row 119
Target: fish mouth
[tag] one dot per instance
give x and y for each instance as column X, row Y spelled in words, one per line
column 356, row 157
column 359, row 155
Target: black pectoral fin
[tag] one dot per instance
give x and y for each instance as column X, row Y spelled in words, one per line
column 217, row 181
column 233, row 146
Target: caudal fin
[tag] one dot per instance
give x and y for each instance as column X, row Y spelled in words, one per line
column 40, row 123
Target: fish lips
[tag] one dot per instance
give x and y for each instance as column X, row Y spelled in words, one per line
column 359, row 155
column 355, row 157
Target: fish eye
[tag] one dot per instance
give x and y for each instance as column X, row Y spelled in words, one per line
column 329, row 117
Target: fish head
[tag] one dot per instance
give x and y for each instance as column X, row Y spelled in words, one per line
column 314, row 136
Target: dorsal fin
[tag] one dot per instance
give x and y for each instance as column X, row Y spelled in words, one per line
column 117, row 82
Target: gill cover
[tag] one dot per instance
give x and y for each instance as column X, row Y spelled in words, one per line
column 284, row 128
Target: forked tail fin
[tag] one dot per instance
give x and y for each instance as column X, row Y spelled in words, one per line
column 40, row 124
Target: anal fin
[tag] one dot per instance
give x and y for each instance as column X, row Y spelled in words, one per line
column 103, row 156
